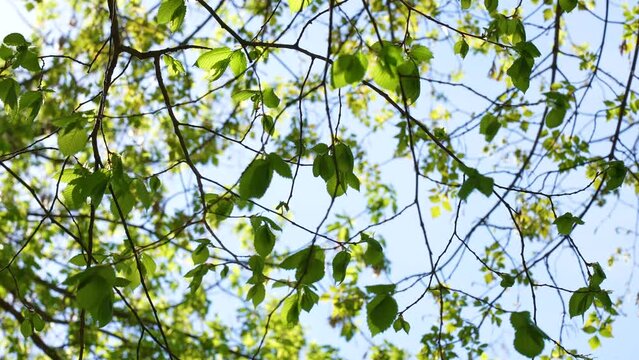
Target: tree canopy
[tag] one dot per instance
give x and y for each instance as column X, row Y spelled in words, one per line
column 319, row 179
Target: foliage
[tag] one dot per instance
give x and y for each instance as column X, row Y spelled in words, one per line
column 185, row 180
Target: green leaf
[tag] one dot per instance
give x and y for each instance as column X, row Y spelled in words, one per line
column 238, row 62
column 529, row 339
column 141, row 193
column 263, row 240
column 528, row 50
column 178, row 18
column 174, row 66
column 566, row 222
column 38, row 323
column 309, row 299
column 256, row 179
column 491, row 5
column 374, row 254
column 155, row 183
column 95, row 293
column 615, row 175
column 568, row 5
column 335, row 188
column 28, row 60
column 219, row 208
column 340, row 264
column 30, row 103
column 9, row 89
column 215, row 61
column 489, row 126
column 268, row 125
column 270, row 99
column 519, row 73
column 279, row 165
column 461, row 47
column 401, row 324
column 241, row 95
column 26, row 327
column 410, row 84
column 320, row 149
column 298, row 5
column 122, row 282
column 465, row 4
column 420, row 53
column 200, row 254
column 555, row 117
column 291, row 310
column 6, row 53
column 256, row 293
column 72, row 141
column 167, row 10
column 604, row 298
column 384, row 68
column 15, row 39
column 580, row 301
column 381, row 289
column 348, row 69
column 344, row 158
column 309, row 264
column 381, row 311
column 589, row 329
column 324, row 166
column 597, row 277
column 507, row 281
column 475, row 180
column 78, row 260
column 256, row 263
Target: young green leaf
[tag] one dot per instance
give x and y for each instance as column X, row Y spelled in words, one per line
column 348, row 69
column 507, row 281
column 168, row 10
column 409, row 81
column 30, row 103
column 520, row 71
column 489, row 126
column 256, row 293
column 461, row 47
column 298, row 5
column 72, row 141
column 340, row 263
column 219, row 208
column 9, row 89
column 200, row 254
column 174, row 66
column 270, row 99
column 238, row 63
column 291, row 310
column 568, row 5
column 529, row 339
column 420, row 53
column 279, row 165
column 26, row 327
column 263, row 240
column 580, row 301
column 374, row 254
column 15, row 39
column 615, row 175
column 491, row 5
column 566, row 222
column 381, row 311
column 256, row 179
